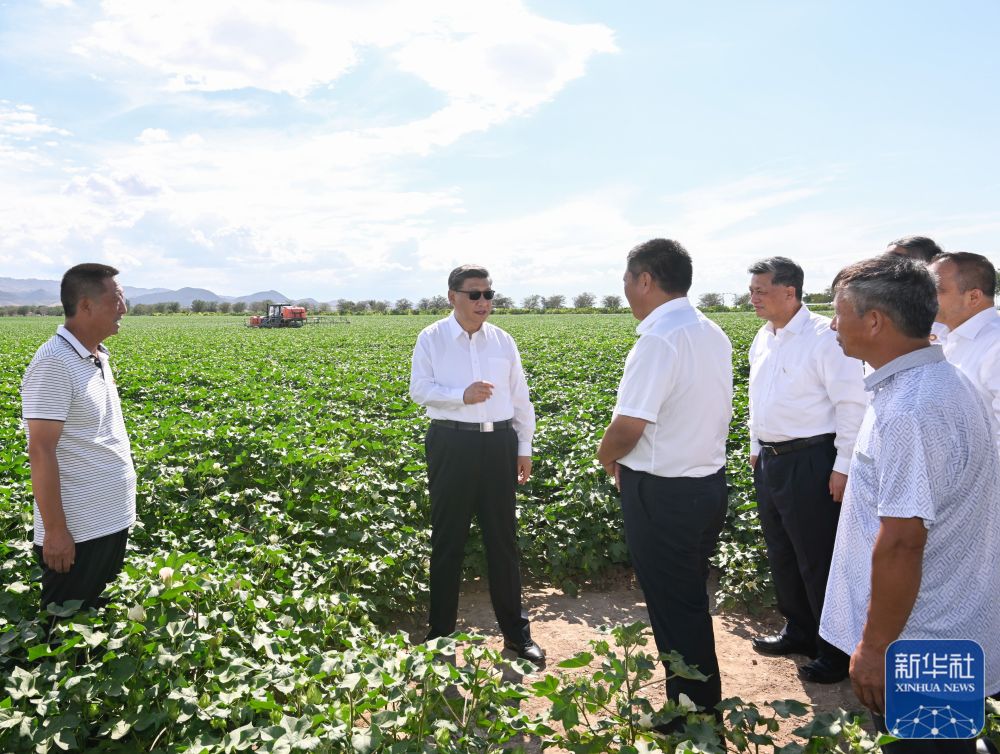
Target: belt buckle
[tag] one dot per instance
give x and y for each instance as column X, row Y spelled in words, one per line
column 486, row 427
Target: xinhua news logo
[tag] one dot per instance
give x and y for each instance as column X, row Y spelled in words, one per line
column 935, row 688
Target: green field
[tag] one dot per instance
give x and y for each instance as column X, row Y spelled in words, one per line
column 281, row 478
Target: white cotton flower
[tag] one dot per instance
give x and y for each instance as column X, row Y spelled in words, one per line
column 274, row 539
column 645, row 721
column 137, row 613
column 684, row 701
column 167, row 576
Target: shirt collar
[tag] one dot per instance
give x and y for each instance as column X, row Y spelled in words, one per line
column 81, row 350
column 971, row 327
column 674, row 304
column 795, row 324
column 456, row 330
column 920, row 357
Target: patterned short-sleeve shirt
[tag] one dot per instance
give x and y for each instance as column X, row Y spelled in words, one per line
column 924, row 450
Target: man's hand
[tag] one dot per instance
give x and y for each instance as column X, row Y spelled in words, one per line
column 615, row 470
column 838, row 483
column 753, row 462
column 58, row 550
column 868, row 677
column 523, row 469
column 478, row 392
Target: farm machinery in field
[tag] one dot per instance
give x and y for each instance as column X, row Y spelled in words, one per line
column 280, row 315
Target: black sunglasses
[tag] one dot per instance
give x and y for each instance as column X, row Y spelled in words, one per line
column 476, row 295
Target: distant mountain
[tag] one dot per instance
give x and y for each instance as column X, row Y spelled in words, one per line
column 184, row 297
column 261, row 296
column 32, row 292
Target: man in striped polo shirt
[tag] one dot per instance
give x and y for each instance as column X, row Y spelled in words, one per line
column 81, row 463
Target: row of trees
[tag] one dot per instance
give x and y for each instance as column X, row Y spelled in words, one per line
column 24, row 310
column 534, row 302
column 742, row 301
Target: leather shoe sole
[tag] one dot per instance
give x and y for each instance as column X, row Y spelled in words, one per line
column 780, row 646
column 528, row 651
column 818, row 671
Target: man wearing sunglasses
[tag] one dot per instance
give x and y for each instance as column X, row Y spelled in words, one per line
column 468, row 375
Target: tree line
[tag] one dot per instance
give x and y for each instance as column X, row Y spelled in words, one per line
column 432, row 305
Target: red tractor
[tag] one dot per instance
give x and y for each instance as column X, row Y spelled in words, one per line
column 279, row 315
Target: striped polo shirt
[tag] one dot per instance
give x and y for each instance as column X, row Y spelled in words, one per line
column 66, row 383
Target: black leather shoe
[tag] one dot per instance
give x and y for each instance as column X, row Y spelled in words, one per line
column 782, row 645
column 528, row 651
column 823, row 671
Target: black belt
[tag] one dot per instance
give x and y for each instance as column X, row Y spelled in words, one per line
column 790, row 446
column 474, row 426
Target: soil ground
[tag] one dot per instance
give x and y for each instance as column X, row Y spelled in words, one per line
column 564, row 625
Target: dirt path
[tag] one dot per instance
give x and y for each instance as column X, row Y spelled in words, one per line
column 564, row 625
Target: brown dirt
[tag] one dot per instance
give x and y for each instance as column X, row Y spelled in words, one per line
column 565, row 625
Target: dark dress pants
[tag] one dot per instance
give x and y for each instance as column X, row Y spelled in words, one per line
column 672, row 525
column 97, row 562
column 799, row 520
column 474, row 473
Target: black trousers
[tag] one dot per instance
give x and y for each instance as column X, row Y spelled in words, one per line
column 672, row 526
column 474, row 473
column 96, row 564
column 799, row 520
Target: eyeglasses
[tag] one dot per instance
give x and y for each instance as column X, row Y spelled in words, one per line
column 476, row 295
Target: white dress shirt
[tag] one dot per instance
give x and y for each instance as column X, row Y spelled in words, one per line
column 447, row 359
column 802, row 384
column 974, row 347
column 679, row 378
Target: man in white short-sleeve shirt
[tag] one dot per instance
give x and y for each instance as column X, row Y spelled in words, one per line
column 81, row 463
column 666, row 448
column 966, row 289
column 919, row 535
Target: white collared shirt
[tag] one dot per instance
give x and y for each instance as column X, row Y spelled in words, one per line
column 802, row 384
column 974, row 347
column 679, row 378
column 64, row 383
column 447, row 359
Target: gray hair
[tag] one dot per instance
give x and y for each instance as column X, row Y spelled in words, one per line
column 900, row 287
column 783, row 272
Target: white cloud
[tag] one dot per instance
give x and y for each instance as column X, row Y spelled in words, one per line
column 153, row 136
column 21, row 123
column 492, row 61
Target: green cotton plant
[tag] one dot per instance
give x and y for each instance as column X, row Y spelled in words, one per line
column 604, row 710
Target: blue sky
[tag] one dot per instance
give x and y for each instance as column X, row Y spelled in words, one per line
column 362, row 149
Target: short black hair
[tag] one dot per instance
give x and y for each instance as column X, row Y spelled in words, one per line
column 783, row 271
column 85, row 279
column 917, row 247
column 460, row 274
column 666, row 261
column 974, row 271
column 900, row 287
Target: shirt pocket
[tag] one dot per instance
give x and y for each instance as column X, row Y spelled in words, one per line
column 498, row 371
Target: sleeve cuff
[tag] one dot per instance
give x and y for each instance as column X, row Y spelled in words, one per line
column 754, row 447
column 524, row 449
column 636, row 413
column 843, row 465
